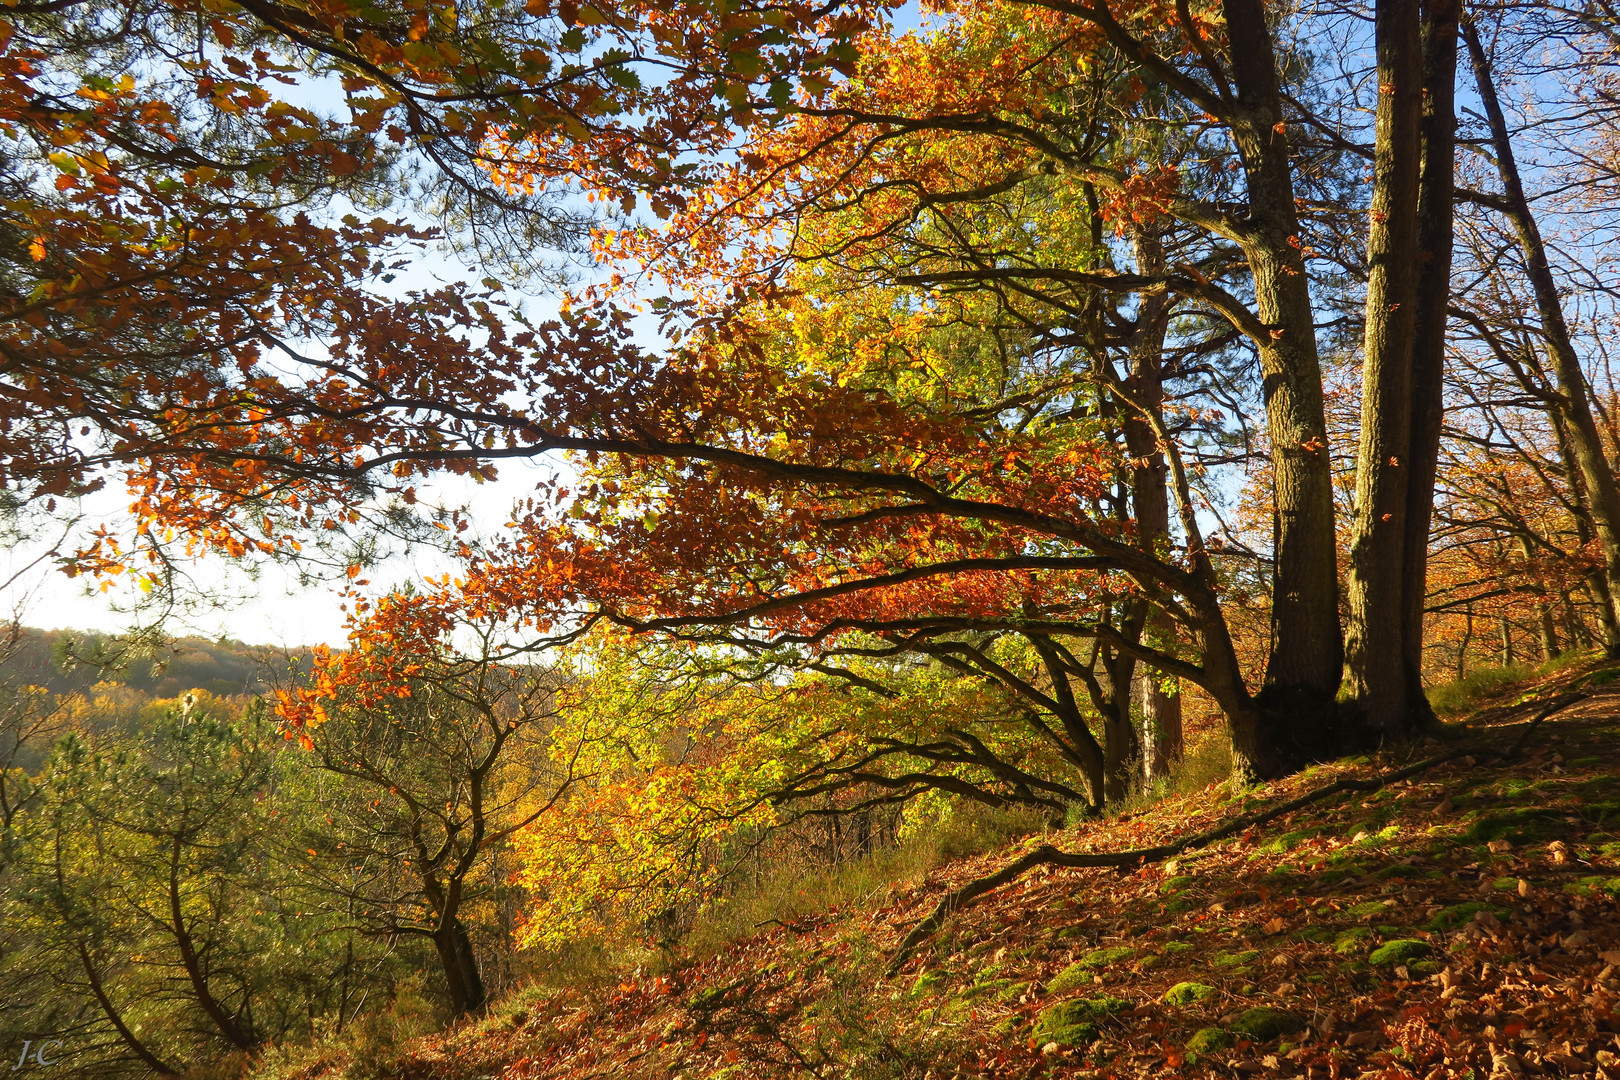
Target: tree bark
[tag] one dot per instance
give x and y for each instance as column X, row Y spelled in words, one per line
column 114, row 1017
column 463, row 978
column 1436, row 238
column 1307, row 653
column 1375, row 670
column 1574, row 397
column 1159, row 702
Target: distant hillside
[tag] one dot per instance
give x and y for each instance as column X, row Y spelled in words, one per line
column 66, row 660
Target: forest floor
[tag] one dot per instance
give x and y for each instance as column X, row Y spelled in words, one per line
column 1460, row 923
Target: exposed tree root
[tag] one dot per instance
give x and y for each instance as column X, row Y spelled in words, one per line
column 1127, row 861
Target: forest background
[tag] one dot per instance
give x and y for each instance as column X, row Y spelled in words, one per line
column 976, row 419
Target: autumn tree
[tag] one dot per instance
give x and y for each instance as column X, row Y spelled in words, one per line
column 437, row 754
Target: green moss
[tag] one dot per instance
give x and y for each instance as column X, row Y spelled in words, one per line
column 1263, row 1025
column 1081, row 971
column 1583, row 762
column 1188, row 993
column 1176, row 946
column 1425, row 967
column 1287, row 842
column 1208, row 1040
column 988, row 986
column 1525, row 825
column 1366, row 910
column 1106, row 957
column 1074, row 1023
column 1176, row 884
column 1400, row 951
column 929, row 982
column 1013, row 991
column 1352, row 941
column 1399, row 870
column 1591, row 886
column 1235, row 959
column 1449, row 918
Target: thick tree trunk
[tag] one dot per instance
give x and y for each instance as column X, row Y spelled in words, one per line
column 1375, row 670
column 462, row 976
column 1307, row 653
column 1575, row 401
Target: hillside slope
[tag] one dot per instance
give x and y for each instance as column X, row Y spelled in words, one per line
column 1462, row 922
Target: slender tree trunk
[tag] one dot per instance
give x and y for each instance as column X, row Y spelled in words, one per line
column 1307, row 654
column 1462, row 649
column 1575, row 401
column 1376, row 668
column 1507, row 642
column 1597, row 581
column 1160, row 703
column 230, row 1026
column 1436, row 239
column 99, row 990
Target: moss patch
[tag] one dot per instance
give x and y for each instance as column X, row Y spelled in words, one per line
column 1449, row 918
column 1081, row 971
column 1400, row 951
column 1366, row 910
column 1527, row 825
column 1207, row 1040
column 1188, row 993
column 1074, row 1023
column 1235, row 959
column 1263, row 1025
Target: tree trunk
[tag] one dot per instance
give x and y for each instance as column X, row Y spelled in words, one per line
column 1436, row 237
column 114, row 1017
column 1163, row 742
column 1574, row 402
column 462, row 977
column 1159, row 702
column 1507, row 642
column 232, row 1027
column 1376, row 669
column 1307, row 653
column 1462, row 648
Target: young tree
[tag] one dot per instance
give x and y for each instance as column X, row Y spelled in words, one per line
column 149, row 874
column 437, row 756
